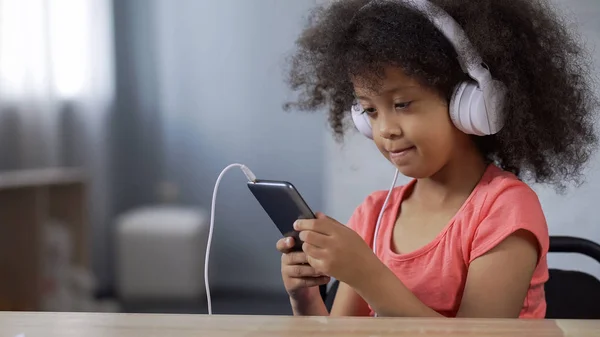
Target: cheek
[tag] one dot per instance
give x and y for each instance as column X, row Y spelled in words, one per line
column 434, row 136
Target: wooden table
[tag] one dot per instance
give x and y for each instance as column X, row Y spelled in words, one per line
column 133, row 325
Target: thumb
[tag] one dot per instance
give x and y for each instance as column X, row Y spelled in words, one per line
column 283, row 245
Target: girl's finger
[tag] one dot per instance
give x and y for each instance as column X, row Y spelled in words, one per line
column 313, row 251
column 284, row 245
column 314, row 238
column 294, row 258
column 314, row 281
column 300, row 271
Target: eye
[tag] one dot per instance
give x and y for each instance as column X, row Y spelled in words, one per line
column 369, row 111
column 402, row 105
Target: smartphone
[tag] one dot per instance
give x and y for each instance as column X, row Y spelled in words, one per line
column 284, row 205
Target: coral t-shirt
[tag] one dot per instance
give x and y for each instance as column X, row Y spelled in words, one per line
column 436, row 273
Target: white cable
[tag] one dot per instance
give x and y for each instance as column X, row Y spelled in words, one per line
column 381, row 216
column 251, row 177
column 382, row 211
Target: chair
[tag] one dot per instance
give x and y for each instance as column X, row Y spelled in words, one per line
column 328, row 292
column 573, row 294
column 569, row 294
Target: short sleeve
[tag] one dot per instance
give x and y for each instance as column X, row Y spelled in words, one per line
column 514, row 206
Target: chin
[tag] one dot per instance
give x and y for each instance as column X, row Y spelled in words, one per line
column 414, row 171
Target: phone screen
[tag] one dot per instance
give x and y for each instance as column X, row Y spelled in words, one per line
column 283, row 203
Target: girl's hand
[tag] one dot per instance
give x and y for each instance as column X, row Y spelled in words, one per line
column 299, row 277
column 336, row 250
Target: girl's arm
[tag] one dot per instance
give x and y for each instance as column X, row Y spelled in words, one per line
column 348, row 303
column 310, row 305
column 496, row 285
column 498, row 281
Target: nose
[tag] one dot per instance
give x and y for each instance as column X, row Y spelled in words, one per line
column 389, row 126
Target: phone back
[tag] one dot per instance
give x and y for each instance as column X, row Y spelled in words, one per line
column 283, row 204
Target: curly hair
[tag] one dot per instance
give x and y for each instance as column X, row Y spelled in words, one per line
column 550, row 109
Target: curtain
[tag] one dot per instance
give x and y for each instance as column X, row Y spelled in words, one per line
column 55, row 55
column 56, row 93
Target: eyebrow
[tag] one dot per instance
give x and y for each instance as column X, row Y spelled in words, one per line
column 389, row 91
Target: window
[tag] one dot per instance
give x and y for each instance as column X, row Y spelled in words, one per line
column 51, row 48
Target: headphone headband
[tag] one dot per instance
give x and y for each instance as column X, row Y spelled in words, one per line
column 452, row 31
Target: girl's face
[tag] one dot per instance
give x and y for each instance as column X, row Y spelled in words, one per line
column 411, row 124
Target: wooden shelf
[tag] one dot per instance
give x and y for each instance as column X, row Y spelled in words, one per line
column 28, row 200
column 41, row 177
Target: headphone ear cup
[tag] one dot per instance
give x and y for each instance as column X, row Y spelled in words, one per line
column 361, row 121
column 468, row 111
column 454, row 106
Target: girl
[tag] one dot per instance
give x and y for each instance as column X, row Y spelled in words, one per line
column 466, row 237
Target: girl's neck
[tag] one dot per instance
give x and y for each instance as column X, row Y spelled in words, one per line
column 456, row 179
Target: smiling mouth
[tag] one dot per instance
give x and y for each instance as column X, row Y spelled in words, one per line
column 400, row 152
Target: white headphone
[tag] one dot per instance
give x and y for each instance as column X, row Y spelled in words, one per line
column 476, row 105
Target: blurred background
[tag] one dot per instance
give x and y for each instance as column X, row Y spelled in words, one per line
column 116, row 118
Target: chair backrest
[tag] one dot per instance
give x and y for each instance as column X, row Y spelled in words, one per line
column 570, row 244
column 573, row 294
column 323, row 291
column 330, row 295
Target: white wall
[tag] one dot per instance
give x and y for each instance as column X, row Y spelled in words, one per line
column 356, row 168
column 221, row 95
